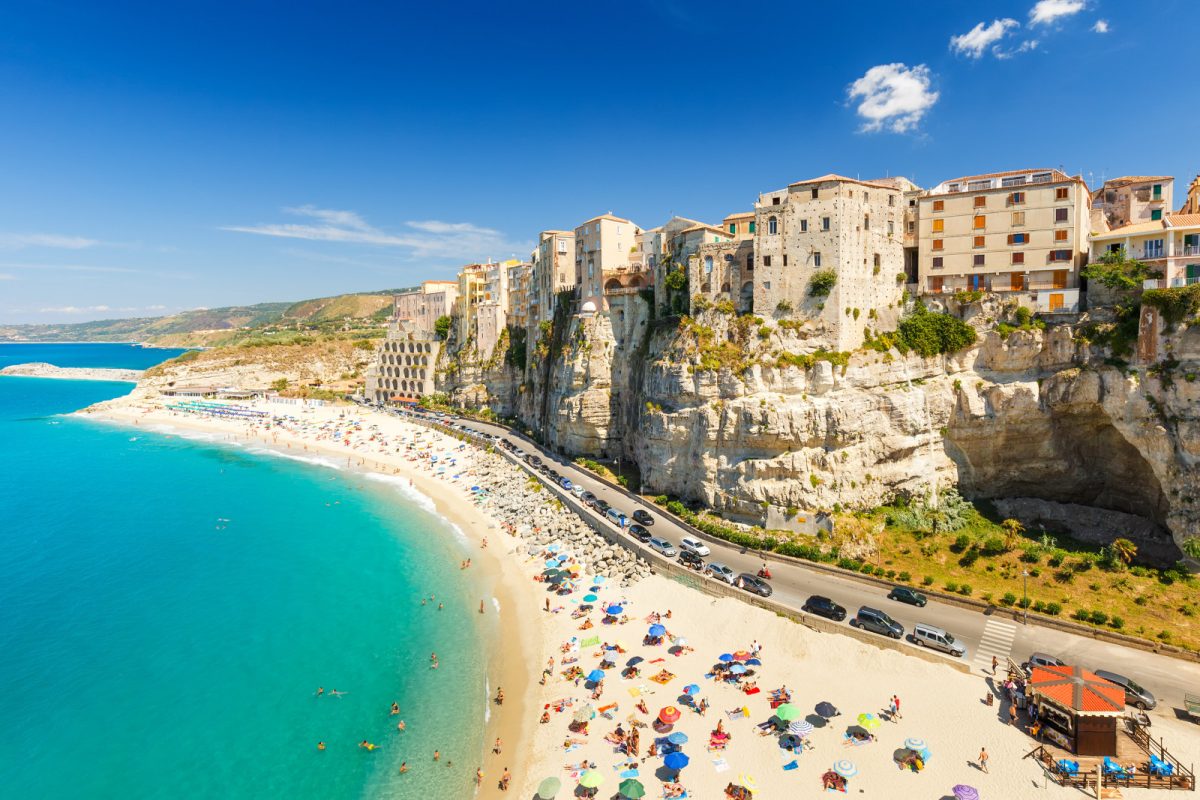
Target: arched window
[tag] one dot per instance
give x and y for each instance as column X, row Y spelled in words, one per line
column 772, row 226
column 612, row 285
column 708, row 264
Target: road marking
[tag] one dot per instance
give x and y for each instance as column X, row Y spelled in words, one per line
column 996, row 641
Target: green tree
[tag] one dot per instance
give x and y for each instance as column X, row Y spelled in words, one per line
column 279, row 384
column 1117, row 271
column 822, row 283
column 1124, row 549
column 442, row 327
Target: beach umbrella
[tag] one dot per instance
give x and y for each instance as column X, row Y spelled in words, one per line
column 679, row 640
column 669, row 714
column 633, row 662
column 552, row 563
column 591, row 779
column 747, row 781
column 691, row 688
column 632, row 788
column 725, row 658
column 554, row 548
column 589, row 598
column 584, row 714
column 657, row 630
column 678, row 738
column 737, row 669
column 913, row 743
column 903, row 753
column 614, row 610
column 845, row 768
column 964, row 792
column 826, row 710
column 599, row 579
column 548, row 788
column 869, row 721
column 787, row 712
column 800, row 727
column 676, row 761
column 596, row 675
column 788, row 741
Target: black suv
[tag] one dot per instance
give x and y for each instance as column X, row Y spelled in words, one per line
column 686, row 557
column 588, row 499
column 643, row 517
column 824, row 607
column 874, row 620
column 754, row 584
column 906, row 595
column 640, row 533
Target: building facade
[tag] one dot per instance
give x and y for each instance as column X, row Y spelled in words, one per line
column 1170, row 245
column 552, row 271
column 423, row 305
column 404, row 364
column 519, row 281
column 724, row 270
column 1131, row 200
column 838, row 228
column 602, row 243
column 1023, row 231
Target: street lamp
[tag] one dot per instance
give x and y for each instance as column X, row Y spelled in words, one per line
column 1025, row 594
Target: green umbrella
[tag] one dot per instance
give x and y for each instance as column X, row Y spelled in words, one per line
column 548, row 788
column 591, row 779
column 632, row 788
column 787, row 712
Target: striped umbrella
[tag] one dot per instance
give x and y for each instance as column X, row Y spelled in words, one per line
column 845, row 768
column 800, row 727
column 669, row 714
column 964, row 792
column 742, row 655
column 913, row 743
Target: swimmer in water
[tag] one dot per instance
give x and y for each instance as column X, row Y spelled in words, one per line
column 366, row 745
column 403, row 767
column 320, row 691
column 437, row 755
column 320, row 745
column 336, row 693
column 395, row 708
column 400, row 726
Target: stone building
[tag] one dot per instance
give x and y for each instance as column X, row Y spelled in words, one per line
column 724, row 271
column 552, row 271
column 829, row 250
column 602, row 243
column 1191, row 203
column 422, row 305
column 404, row 364
column 519, row 278
column 1022, row 231
column 1130, row 200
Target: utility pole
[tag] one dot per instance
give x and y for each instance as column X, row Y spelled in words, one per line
column 1025, row 593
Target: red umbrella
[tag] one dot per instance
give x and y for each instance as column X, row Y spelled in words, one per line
column 742, row 655
column 669, row 715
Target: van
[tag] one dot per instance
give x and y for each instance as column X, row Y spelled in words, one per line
column 937, row 639
column 615, row 517
column 693, row 545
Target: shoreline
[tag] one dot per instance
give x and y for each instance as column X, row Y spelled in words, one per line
column 41, row 369
column 515, row 661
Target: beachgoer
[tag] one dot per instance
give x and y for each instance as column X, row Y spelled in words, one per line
column 403, row 767
column 896, row 707
column 480, row 606
column 547, row 604
column 437, row 755
column 995, row 664
column 496, row 746
column 395, row 708
column 1012, row 713
column 505, row 777
column 499, row 696
column 366, row 745
column 983, row 759
column 320, row 691
column 439, row 606
column 320, row 745
column 400, row 726
column 479, row 776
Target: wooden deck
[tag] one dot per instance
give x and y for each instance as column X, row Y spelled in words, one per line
column 1133, row 747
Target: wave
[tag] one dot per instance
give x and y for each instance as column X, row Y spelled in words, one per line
column 411, row 492
column 316, row 461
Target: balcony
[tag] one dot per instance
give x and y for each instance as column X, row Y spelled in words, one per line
column 1188, row 250
column 1152, row 253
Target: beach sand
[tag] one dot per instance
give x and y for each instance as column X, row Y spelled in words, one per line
column 939, row 705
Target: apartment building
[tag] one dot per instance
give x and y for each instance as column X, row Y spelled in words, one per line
column 422, row 305
column 1130, row 200
column 739, row 226
column 471, row 282
column 831, row 224
column 1020, row 231
column 602, row 243
column 519, row 281
column 1170, row 244
column 552, row 271
column 1191, row 203
column 404, row 364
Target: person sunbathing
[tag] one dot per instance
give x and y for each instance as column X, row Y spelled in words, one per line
column 673, row 790
column 586, row 625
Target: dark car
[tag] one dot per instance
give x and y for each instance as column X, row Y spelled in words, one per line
column 754, row 584
column 589, row 499
column 643, row 517
column 874, row 620
column 686, row 557
column 601, row 507
column 1135, row 695
column 910, row 596
column 824, row 607
column 639, row 533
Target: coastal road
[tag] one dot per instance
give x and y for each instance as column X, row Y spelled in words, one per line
column 982, row 634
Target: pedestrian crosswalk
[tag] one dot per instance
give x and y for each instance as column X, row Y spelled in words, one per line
column 996, row 641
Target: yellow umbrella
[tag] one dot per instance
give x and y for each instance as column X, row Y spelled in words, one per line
column 869, row 721
column 747, row 781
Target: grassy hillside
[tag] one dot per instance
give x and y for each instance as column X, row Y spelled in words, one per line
column 364, row 314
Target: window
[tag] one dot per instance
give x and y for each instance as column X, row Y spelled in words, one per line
column 804, row 226
column 911, row 226
column 1060, row 214
column 1016, row 198
column 866, row 222
column 824, row 223
column 1016, row 181
column 976, row 186
column 980, row 222
column 1156, row 214
column 751, row 227
column 1158, row 191
column 766, row 261
column 774, row 201
column 1062, row 193
column 1062, row 235
column 954, row 187
column 892, row 199
column 978, row 260
column 939, row 225
column 772, row 226
column 939, row 205
column 1042, row 177
column 1060, row 255
column 981, row 201
column 708, row 264
column 877, row 260
column 733, row 227
column 1018, row 258
column 937, row 262
column 562, row 245
column 937, row 244
column 979, row 241
column 891, row 227
column 814, row 193
column 816, row 259
column 750, row 262
column 1018, row 238
column 785, row 259
column 1018, row 219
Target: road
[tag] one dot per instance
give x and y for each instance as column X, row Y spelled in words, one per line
column 983, row 635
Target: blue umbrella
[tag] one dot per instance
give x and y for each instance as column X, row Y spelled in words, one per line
column 657, row 630
column 589, row 598
column 737, row 669
column 726, row 657
column 614, row 610
column 691, row 688
column 552, row 563
column 599, row 579
column 754, row 662
column 595, row 675
column 677, row 738
column 675, row 761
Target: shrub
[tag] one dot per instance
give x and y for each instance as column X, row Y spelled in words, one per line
column 891, row 574
column 905, row 577
column 1056, row 558
column 783, row 307
column 822, row 283
column 1008, row 599
column 1176, row 304
column 965, row 589
column 1081, row 614
column 676, row 508
column 1117, row 622
column 993, row 545
column 661, row 500
column 961, row 542
column 951, row 587
column 1025, row 602
column 441, row 327
column 1038, row 605
column 969, row 558
column 1098, row 617
column 1053, row 609
column 931, row 334
column 1030, row 556
column 867, row 569
column 927, row 580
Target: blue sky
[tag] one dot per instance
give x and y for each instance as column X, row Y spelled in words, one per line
column 162, row 156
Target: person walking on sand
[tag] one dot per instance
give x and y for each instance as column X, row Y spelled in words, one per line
column 480, row 606
column 499, row 696
column 995, row 664
column 983, row 759
column 1012, row 714
column 479, row 776
column 896, row 707
column 505, row 778
column 496, row 746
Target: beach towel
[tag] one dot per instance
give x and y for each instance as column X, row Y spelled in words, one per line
column 590, row 642
column 663, row 677
column 634, row 691
column 738, row 713
column 629, row 773
column 791, row 765
column 755, row 690
column 720, row 765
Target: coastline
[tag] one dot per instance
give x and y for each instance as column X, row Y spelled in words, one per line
column 41, row 369
column 516, row 649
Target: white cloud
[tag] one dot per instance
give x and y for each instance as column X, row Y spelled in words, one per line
column 1101, row 26
column 72, row 309
column 982, row 36
column 7, row 277
column 156, row 308
column 894, row 96
column 1046, row 12
column 17, row 241
column 1025, row 47
column 427, row 238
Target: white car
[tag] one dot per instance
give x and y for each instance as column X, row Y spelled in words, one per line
column 721, row 572
column 578, row 490
column 694, row 545
column 663, row 546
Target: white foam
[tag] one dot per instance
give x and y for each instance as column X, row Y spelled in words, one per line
column 317, row 461
column 496, row 604
column 407, row 489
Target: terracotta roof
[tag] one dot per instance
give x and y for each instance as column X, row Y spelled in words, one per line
column 1182, row 220
column 703, row 227
column 1056, row 176
column 1131, row 230
column 740, row 215
column 831, row 177
column 1078, row 689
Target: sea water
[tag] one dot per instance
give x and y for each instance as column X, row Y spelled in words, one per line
column 169, row 607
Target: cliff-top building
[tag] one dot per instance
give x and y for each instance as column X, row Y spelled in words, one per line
column 1021, row 231
column 552, row 271
column 423, row 305
column 602, row 243
column 1130, row 200
column 404, row 364
column 1170, row 245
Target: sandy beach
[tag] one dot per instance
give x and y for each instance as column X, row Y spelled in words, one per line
column 555, row 724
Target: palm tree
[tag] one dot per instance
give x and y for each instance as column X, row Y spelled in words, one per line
column 1012, row 529
column 1124, row 549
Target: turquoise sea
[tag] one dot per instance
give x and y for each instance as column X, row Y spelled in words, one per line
column 169, row 607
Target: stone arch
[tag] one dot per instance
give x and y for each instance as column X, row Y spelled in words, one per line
column 612, row 285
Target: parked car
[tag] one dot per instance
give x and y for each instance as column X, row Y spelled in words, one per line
column 754, row 584
column 874, row 620
column 910, row 596
column 588, row 499
column 688, row 558
column 577, row 490
column 643, row 517
column 639, row 532
column 1041, row 660
column 824, row 607
column 601, row 506
column 720, row 572
column 660, row 545
column 937, row 639
column 1135, row 695
column 616, row 517
column 694, row 545
column 566, row 484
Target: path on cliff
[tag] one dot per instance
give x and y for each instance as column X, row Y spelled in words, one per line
column 983, row 635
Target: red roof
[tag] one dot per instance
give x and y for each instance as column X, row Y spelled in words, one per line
column 1078, row 689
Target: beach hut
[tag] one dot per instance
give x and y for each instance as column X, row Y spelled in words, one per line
column 1079, row 709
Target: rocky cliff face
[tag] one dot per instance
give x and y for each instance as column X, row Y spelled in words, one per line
column 726, row 414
